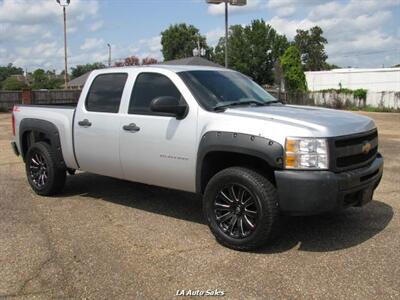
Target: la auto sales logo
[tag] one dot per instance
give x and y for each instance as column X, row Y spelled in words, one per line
column 200, row 293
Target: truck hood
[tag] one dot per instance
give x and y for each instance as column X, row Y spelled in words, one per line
column 321, row 122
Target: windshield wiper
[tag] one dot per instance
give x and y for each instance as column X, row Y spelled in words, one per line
column 239, row 103
column 272, row 102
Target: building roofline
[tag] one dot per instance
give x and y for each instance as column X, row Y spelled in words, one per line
column 354, row 70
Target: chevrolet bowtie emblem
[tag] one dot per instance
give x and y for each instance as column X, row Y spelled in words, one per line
column 366, row 147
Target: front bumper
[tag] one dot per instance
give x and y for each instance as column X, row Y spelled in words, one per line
column 313, row 192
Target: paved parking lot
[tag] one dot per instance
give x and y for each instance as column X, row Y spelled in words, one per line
column 104, row 239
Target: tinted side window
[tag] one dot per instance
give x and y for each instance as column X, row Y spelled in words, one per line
column 149, row 86
column 106, row 92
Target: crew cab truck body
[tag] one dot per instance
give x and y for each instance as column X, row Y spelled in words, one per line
column 209, row 131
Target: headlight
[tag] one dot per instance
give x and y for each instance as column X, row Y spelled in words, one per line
column 306, row 153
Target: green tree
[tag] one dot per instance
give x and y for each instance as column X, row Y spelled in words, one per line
column 179, row 40
column 46, row 80
column 13, row 84
column 311, row 44
column 218, row 53
column 7, row 71
column 55, row 82
column 253, row 50
column 39, row 79
column 295, row 79
column 82, row 69
column 329, row 66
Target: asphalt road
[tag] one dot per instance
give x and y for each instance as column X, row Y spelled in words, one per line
column 104, row 239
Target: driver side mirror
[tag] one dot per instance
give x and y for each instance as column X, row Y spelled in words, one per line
column 169, row 105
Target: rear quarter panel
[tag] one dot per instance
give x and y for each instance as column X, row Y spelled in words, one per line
column 61, row 117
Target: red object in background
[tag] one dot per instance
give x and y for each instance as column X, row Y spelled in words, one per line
column 15, row 109
column 26, row 96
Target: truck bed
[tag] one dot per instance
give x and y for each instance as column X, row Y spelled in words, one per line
column 62, row 116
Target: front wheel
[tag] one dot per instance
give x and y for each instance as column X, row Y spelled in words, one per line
column 44, row 176
column 241, row 208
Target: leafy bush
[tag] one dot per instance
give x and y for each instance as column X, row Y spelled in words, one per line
column 337, row 91
column 360, row 94
column 13, row 84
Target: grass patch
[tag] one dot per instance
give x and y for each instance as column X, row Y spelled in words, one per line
column 337, row 91
column 369, row 108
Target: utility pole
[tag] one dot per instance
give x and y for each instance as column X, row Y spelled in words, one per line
column 227, row 3
column 65, row 50
column 109, row 55
column 64, row 4
column 226, row 33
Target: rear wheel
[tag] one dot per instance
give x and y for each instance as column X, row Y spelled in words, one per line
column 241, row 207
column 44, row 175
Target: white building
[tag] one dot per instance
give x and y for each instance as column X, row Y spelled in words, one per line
column 383, row 85
column 373, row 80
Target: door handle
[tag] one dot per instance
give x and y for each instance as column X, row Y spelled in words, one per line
column 85, row 123
column 131, row 127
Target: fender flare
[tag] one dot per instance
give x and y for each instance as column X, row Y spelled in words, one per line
column 47, row 128
column 221, row 141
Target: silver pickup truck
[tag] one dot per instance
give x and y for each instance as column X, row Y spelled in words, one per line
column 210, row 131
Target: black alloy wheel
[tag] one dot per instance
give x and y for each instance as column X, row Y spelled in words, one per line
column 241, row 208
column 45, row 174
column 236, row 212
column 38, row 170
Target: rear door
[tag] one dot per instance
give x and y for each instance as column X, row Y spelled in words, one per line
column 161, row 149
column 96, row 125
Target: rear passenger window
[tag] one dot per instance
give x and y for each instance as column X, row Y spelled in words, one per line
column 105, row 92
column 149, row 86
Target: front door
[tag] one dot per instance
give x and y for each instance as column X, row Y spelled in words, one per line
column 157, row 149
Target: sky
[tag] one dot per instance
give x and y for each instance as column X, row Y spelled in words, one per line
column 360, row 33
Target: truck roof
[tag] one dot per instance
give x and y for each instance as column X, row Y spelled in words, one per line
column 173, row 68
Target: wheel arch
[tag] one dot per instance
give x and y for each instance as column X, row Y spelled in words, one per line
column 37, row 130
column 219, row 150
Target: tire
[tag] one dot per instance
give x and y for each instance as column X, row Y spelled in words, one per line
column 220, row 200
column 44, row 176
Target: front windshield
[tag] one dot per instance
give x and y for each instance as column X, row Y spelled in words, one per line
column 213, row 89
